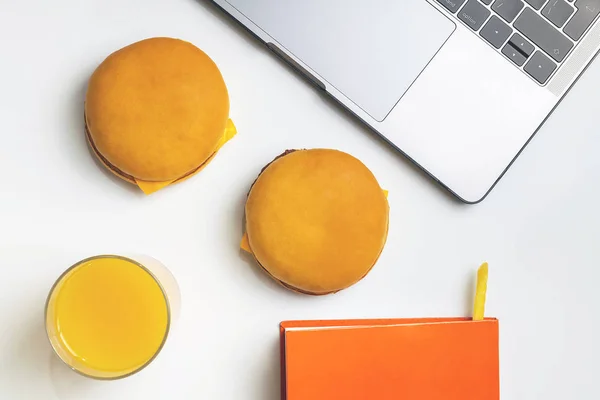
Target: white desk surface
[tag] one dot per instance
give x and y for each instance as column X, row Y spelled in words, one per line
column 539, row 228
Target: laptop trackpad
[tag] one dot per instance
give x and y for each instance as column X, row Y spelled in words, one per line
column 371, row 51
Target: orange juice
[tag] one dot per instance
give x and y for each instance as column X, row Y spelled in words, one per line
column 107, row 317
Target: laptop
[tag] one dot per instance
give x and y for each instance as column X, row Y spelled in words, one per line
column 458, row 86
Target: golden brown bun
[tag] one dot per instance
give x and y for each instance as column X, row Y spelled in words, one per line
column 316, row 220
column 157, row 109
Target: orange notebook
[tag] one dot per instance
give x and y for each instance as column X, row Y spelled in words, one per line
column 406, row 359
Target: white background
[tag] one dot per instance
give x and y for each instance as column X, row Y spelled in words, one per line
column 539, row 228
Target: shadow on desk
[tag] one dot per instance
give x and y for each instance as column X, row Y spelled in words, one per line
column 31, row 367
column 270, row 381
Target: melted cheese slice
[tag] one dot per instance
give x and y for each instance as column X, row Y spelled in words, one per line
column 151, row 187
column 245, row 243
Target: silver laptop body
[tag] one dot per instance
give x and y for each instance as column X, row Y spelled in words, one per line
column 458, row 86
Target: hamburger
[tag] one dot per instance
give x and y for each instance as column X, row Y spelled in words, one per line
column 156, row 112
column 316, row 220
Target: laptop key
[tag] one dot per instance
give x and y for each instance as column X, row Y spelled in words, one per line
column 521, row 44
column 540, row 67
column 542, row 33
column 587, row 11
column 451, row 5
column 513, row 54
column 474, row 14
column 496, row 32
column 558, row 12
column 508, row 9
column 537, row 4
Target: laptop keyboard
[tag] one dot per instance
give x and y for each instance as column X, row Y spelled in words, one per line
column 535, row 35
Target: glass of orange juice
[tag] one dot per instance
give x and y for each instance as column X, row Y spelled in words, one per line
column 108, row 317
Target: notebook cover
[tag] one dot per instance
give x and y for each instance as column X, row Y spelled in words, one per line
column 409, row 359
